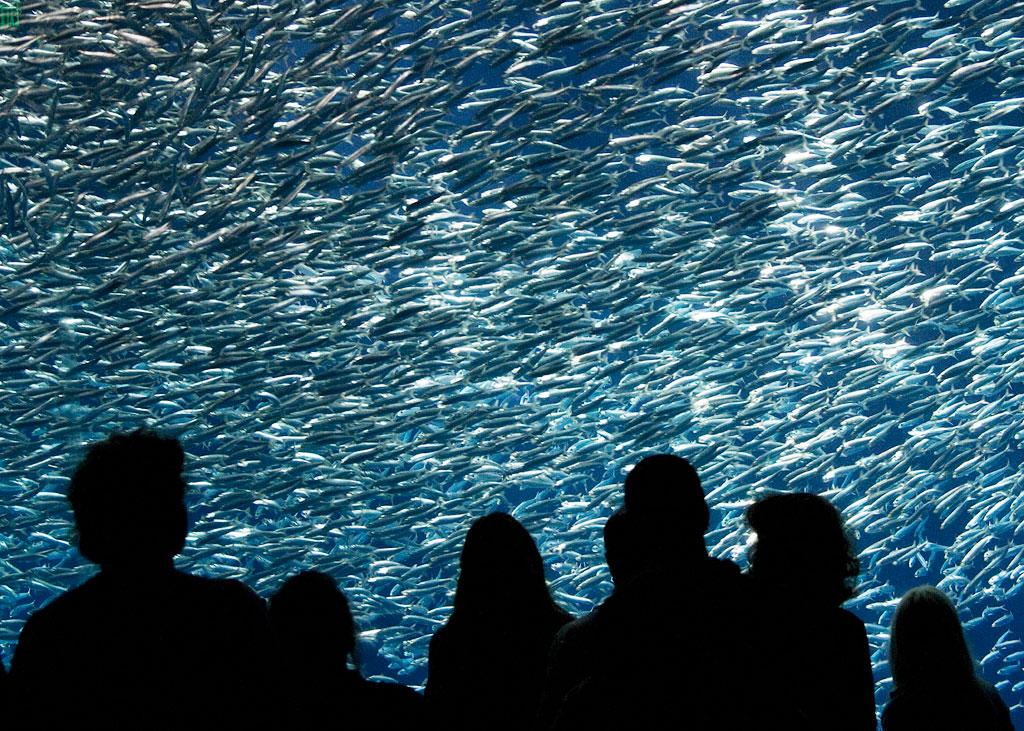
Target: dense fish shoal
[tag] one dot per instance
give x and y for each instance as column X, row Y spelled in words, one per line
column 387, row 266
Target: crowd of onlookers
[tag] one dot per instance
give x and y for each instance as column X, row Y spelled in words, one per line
column 685, row 641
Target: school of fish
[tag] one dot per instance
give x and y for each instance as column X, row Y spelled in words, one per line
column 387, row 266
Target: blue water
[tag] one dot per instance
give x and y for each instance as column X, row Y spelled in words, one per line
column 520, row 246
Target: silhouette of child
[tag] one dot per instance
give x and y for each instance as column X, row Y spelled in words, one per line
column 935, row 684
column 317, row 634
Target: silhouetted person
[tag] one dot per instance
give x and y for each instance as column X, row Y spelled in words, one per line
column 576, row 650
column 141, row 644
column 668, row 648
column 935, row 684
column 318, row 643
column 486, row 665
column 815, row 658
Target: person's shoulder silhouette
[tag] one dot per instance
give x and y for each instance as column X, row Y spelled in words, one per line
column 935, row 685
column 317, row 635
column 140, row 644
column 815, row 658
column 486, row 665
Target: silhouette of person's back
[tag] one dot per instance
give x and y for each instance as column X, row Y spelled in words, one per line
column 668, row 648
column 815, row 658
column 140, row 644
column 935, row 684
column 486, row 665
column 317, row 634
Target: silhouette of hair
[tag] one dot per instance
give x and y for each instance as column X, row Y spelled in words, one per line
column 665, row 485
column 927, row 640
column 312, row 618
column 128, row 497
column 802, row 546
column 500, row 571
column 486, row 664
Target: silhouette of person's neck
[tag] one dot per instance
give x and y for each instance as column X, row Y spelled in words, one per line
column 136, row 570
column 675, row 560
column 793, row 595
column 682, row 558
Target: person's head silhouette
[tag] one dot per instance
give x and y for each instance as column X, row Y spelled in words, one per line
column 665, row 484
column 665, row 514
column 128, row 498
column 802, row 548
column 500, row 570
column 312, row 619
column 926, row 643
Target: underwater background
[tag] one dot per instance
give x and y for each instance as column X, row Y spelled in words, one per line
column 387, row 266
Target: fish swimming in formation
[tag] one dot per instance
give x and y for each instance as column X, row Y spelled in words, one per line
column 387, row 266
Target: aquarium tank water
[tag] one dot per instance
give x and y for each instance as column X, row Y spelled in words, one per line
column 385, row 267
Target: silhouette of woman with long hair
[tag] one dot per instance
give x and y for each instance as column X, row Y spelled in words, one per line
column 935, row 683
column 486, row 665
column 317, row 635
column 815, row 656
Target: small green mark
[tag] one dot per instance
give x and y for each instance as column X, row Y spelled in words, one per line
column 10, row 12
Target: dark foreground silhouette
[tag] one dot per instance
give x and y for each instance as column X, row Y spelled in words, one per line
column 816, row 663
column 935, row 684
column 669, row 648
column 318, row 641
column 576, row 650
column 141, row 645
column 486, row 665
column 684, row 640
